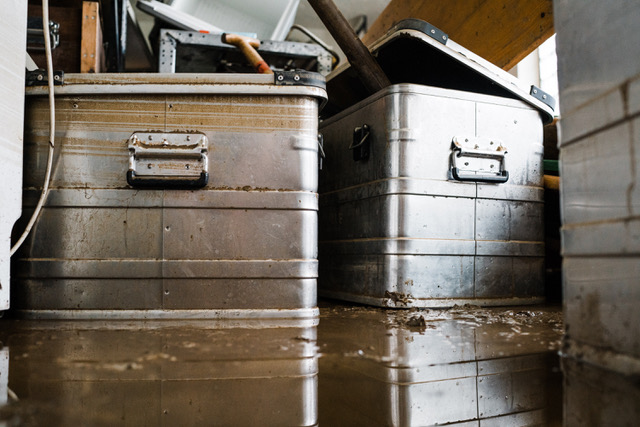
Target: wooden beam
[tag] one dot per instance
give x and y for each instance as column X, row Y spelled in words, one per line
column 91, row 50
column 502, row 32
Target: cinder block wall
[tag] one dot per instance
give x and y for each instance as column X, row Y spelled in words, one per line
column 599, row 76
column 598, row 46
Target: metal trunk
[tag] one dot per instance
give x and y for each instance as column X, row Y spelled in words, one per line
column 439, row 202
column 175, row 196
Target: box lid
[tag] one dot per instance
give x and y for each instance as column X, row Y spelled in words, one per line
column 415, row 51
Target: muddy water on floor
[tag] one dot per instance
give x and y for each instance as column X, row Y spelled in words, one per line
column 352, row 366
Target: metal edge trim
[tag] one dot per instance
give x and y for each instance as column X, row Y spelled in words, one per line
column 91, row 269
column 421, row 187
column 415, row 88
column 420, row 247
column 297, row 313
column 187, row 86
column 165, row 323
column 209, row 39
column 172, row 199
column 430, row 302
column 397, row 247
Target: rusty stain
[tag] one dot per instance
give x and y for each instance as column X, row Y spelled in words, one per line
column 249, row 188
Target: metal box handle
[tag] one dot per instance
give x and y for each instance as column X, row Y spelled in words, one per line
column 478, row 160
column 360, row 144
column 168, row 160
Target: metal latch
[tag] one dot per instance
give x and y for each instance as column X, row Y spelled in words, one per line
column 321, row 154
column 35, row 34
column 175, row 160
column 478, row 159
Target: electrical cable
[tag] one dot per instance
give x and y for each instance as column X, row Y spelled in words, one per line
column 52, row 128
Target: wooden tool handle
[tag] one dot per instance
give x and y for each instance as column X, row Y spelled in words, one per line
column 248, row 46
column 357, row 53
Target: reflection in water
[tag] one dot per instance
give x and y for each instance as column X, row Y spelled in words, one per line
column 465, row 367
column 161, row 373
column 598, row 397
column 357, row 366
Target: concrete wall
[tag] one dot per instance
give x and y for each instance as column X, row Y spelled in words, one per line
column 598, row 46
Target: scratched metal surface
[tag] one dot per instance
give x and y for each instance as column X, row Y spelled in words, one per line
column 246, row 242
column 399, row 230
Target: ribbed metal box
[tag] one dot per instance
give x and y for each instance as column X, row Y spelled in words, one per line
column 174, row 196
column 432, row 193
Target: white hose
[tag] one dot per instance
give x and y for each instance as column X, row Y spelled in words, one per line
column 52, row 127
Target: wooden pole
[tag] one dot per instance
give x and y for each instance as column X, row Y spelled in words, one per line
column 361, row 60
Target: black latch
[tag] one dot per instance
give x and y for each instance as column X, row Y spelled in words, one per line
column 39, row 78
column 361, row 144
column 299, row 78
column 543, row 96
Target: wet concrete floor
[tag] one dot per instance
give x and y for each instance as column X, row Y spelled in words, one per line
column 354, row 365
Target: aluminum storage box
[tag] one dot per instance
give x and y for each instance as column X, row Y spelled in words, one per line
column 174, row 196
column 433, row 196
column 193, row 52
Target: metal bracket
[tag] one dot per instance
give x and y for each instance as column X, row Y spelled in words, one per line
column 436, row 34
column 299, row 78
column 39, row 78
column 424, row 27
column 543, row 96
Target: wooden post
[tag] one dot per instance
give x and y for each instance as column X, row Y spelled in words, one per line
column 363, row 63
column 91, row 51
column 502, row 32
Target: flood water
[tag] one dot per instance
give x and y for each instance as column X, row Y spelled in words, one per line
column 353, row 365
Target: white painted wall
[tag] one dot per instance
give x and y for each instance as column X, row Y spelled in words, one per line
column 13, row 42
